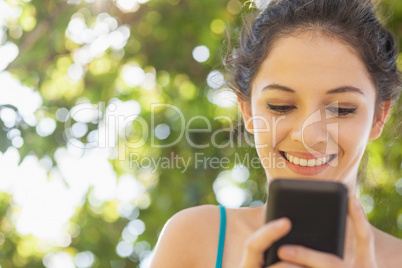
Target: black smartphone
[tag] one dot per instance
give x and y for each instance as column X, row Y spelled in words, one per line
column 317, row 210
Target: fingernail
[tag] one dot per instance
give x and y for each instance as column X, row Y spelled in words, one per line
column 289, row 251
column 278, row 223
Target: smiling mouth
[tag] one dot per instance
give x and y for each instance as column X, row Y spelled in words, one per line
column 321, row 161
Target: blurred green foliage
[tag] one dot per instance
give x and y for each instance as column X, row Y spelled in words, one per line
column 163, row 34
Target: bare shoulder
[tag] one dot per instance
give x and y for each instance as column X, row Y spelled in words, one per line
column 188, row 237
column 389, row 248
column 396, row 245
column 392, row 256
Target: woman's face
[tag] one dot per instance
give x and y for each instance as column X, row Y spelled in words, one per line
column 312, row 110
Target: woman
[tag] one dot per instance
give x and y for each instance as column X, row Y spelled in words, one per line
column 324, row 74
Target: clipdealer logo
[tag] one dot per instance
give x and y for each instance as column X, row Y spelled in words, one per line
column 202, row 161
column 113, row 124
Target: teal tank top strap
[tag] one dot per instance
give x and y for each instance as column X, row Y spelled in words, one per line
column 222, row 232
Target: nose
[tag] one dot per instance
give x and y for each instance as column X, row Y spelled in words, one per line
column 311, row 131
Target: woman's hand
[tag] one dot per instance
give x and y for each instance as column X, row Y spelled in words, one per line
column 261, row 240
column 364, row 253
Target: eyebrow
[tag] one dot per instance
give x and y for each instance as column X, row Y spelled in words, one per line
column 341, row 89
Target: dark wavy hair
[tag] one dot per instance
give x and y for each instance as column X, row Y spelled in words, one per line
column 353, row 22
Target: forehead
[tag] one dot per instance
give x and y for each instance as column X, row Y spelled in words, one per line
column 313, row 61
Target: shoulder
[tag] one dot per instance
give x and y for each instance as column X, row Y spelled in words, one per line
column 393, row 258
column 189, row 231
column 195, row 213
column 194, row 218
column 395, row 246
column 388, row 248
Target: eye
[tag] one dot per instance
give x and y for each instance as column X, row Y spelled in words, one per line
column 280, row 108
column 341, row 112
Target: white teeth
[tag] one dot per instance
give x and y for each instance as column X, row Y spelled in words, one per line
column 290, row 158
column 303, row 162
column 307, row 162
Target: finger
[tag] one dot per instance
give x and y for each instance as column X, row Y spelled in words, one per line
column 262, row 239
column 350, row 241
column 284, row 265
column 364, row 252
column 308, row 257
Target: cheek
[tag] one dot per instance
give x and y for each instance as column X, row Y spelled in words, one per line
column 262, row 133
column 270, row 130
column 354, row 135
column 262, row 127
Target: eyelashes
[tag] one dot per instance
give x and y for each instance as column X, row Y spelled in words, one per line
column 281, row 108
column 337, row 111
column 342, row 111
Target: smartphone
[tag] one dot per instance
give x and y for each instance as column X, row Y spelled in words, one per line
column 317, row 210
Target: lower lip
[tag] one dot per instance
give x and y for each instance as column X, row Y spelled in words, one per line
column 307, row 171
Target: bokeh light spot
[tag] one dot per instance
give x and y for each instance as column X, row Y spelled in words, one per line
column 399, row 221
column 84, row 259
column 162, row 131
column 75, row 72
column 128, row 5
column 227, row 192
column 8, row 116
column 133, row 75
column 8, row 52
column 124, row 249
column 398, row 186
column 136, row 227
column 222, row 97
column 46, row 126
column 62, row 114
column 11, row 91
column 84, row 112
column 234, row 6
column 217, row 26
column 240, row 173
column 367, row 203
column 215, row 79
column 78, row 130
column 58, row 260
column 17, row 142
column 201, row 53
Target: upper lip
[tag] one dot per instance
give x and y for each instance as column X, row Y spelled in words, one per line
column 307, row 155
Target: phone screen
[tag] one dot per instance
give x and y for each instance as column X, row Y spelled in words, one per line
column 317, row 210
